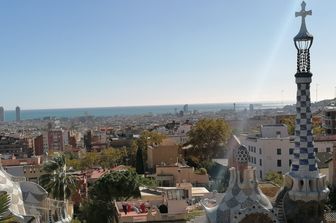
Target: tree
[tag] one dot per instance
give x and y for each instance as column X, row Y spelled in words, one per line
column 5, row 216
column 60, row 183
column 117, row 185
column 93, row 211
column 139, row 165
column 290, row 123
column 274, row 177
column 206, row 136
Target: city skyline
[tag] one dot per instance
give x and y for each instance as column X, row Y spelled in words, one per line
column 83, row 54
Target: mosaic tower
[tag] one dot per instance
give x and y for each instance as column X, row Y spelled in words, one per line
column 305, row 191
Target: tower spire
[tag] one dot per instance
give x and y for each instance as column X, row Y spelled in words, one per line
column 304, row 161
column 307, row 182
column 303, row 41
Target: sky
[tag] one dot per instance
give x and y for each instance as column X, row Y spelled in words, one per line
column 85, row 53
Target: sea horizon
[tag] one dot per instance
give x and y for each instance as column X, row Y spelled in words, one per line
column 28, row 114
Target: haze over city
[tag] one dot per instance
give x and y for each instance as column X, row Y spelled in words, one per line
column 64, row 54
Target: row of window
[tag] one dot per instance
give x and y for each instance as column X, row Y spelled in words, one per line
column 253, row 149
column 279, row 162
column 279, row 151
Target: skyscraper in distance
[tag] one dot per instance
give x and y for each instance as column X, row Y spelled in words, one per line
column 2, row 114
column 18, row 113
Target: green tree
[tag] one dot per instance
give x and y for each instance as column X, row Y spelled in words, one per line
column 5, row 216
column 117, row 185
column 290, row 123
column 93, row 211
column 206, row 136
column 139, row 165
column 111, row 157
column 57, row 180
column 274, row 177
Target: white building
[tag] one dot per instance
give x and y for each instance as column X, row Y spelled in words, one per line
column 272, row 149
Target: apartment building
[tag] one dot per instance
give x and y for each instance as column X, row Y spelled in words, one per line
column 272, row 149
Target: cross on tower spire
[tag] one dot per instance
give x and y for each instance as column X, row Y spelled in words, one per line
column 303, row 13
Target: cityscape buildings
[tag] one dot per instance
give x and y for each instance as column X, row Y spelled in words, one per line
column 305, row 192
column 176, row 176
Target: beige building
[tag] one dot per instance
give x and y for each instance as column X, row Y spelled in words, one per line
column 171, row 175
column 272, row 149
column 165, row 153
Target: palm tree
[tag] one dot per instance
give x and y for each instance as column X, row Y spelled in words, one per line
column 57, row 180
column 5, row 216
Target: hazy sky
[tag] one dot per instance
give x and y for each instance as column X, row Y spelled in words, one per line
column 86, row 53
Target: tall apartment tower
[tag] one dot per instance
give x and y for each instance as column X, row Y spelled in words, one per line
column 2, row 114
column 305, row 190
column 18, row 113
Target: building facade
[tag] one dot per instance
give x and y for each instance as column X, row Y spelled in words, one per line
column 165, row 153
column 329, row 120
column 272, row 150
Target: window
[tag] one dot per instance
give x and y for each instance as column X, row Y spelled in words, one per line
column 260, row 162
column 328, row 149
column 290, row 162
column 279, row 151
column 260, row 173
column 279, row 163
column 291, row 151
column 259, row 150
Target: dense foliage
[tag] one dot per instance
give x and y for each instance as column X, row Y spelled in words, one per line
column 274, row 177
column 117, row 185
column 58, row 180
column 107, row 158
column 139, row 165
column 290, row 122
column 207, row 136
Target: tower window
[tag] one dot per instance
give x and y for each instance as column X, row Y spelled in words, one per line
column 279, row 163
column 279, row 151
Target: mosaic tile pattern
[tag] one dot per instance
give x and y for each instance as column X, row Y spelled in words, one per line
column 304, row 162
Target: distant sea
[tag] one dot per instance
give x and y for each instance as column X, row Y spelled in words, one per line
column 135, row 110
